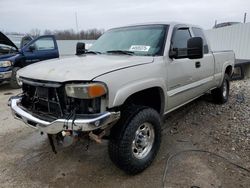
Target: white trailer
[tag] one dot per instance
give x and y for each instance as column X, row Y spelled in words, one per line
column 236, row 38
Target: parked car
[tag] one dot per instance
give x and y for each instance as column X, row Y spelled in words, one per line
column 121, row 87
column 12, row 58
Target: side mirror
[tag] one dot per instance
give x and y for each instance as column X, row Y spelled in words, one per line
column 195, row 48
column 80, row 48
column 32, row 48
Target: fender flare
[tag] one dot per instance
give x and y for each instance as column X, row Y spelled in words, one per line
column 225, row 65
column 129, row 89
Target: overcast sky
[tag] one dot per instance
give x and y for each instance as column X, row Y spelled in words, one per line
column 24, row 15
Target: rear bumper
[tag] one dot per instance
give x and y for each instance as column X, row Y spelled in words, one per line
column 5, row 75
column 85, row 123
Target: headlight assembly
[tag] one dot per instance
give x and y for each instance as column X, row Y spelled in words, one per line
column 5, row 63
column 85, row 91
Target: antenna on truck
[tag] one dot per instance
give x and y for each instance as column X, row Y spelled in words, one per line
column 77, row 31
column 245, row 17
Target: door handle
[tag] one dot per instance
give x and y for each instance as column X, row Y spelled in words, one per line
column 197, row 64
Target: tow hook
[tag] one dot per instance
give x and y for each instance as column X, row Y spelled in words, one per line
column 97, row 138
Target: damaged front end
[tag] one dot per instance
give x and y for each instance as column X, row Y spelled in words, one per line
column 63, row 109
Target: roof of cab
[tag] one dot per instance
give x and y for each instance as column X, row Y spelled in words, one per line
column 171, row 24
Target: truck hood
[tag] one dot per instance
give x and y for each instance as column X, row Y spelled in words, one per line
column 6, row 41
column 80, row 68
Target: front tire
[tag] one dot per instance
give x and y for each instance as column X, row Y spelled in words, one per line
column 135, row 139
column 221, row 94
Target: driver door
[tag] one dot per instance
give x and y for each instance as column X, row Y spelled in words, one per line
column 180, row 72
column 42, row 48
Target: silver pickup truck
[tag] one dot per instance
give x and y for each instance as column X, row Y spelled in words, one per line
column 121, row 88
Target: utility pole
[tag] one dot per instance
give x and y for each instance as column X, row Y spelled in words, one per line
column 215, row 23
column 77, row 31
column 245, row 17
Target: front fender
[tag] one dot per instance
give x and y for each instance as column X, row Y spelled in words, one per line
column 125, row 82
column 131, row 88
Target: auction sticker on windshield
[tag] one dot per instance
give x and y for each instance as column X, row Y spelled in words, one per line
column 139, row 48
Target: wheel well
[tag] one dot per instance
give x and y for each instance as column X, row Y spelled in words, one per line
column 152, row 97
column 229, row 70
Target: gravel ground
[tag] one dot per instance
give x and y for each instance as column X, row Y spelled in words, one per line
column 26, row 159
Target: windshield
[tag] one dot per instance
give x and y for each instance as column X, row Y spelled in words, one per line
column 139, row 40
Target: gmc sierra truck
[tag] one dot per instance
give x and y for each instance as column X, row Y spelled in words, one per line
column 122, row 87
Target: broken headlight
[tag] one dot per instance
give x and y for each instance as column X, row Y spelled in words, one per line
column 85, row 91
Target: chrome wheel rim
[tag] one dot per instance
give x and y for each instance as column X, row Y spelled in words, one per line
column 224, row 93
column 144, row 140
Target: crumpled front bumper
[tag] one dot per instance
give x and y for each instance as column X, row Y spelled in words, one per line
column 85, row 123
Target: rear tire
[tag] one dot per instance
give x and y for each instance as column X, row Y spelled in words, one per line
column 135, row 139
column 13, row 80
column 221, row 94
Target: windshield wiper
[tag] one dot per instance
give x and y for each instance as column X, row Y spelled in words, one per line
column 92, row 52
column 126, row 52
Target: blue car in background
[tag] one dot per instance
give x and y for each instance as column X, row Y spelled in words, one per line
column 18, row 54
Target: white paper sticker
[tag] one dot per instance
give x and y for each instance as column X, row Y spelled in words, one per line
column 139, row 48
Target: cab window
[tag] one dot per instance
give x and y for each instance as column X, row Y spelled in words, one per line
column 180, row 39
column 46, row 43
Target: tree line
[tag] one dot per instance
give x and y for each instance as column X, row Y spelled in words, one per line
column 90, row 34
column 68, row 34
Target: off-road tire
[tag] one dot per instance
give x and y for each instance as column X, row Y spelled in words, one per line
column 13, row 81
column 220, row 95
column 123, row 134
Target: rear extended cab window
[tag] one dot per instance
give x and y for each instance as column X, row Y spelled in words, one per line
column 198, row 32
